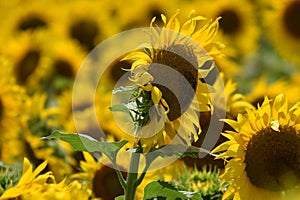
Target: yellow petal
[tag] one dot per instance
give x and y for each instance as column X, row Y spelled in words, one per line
column 156, row 95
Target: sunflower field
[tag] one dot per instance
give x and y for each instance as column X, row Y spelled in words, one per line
column 158, row 100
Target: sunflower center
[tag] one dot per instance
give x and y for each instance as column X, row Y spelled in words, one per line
column 155, row 12
column 273, row 159
column 85, row 32
column 26, row 66
column 106, row 184
column 291, row 19
column 230, row 22
column 31, row 22
column 63, row 68
column 116, row 69
column 177, row 94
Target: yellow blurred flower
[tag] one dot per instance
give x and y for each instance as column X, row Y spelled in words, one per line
column 34, row 185
column 29, row 59
column 282, row 27
column 262, row 87
column 238, row 29
column 82, row 21
column 29, row 182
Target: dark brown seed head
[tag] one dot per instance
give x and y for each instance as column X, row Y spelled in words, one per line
column 27, row 65
column 291, row 19
column 64, row 68
column 31, row 22
column 273, row 159
column 175, row 91
column 85, row 32
column 106, row 184
column 230, row 23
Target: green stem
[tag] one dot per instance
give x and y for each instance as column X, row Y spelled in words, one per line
column 132, row 176
column 133, row 172
column 119, row 174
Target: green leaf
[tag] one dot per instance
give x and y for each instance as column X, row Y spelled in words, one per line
column 82, row 142
column 162, row 189
column 120, row 197
column 178, row 150
column 120, row 108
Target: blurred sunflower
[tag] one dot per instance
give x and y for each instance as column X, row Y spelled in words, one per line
column 82, row 21
column 66, row 57
column 11, row 105
column 104, row 183
column 39, row 120
column 30, row 61
column 101, row 179
column 238, row 28
column 34, row 185
column 166, row 93
column 285, row 33
column 262, row 87
column 23, row 16
column 146, row 10
column 262, row 152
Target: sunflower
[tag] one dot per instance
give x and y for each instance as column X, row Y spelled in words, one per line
column 82, row 21
column 96, row 175
column 173, row 108
column 262, row 87
column 40, row 120
column 146, row 10
column 23, row 16
column 65, row 57
column 34, row 185
column 262, row 153
column 238, row 28
column 284, row 34
column 30, row 61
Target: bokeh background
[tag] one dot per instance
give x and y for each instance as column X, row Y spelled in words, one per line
column 42, row 46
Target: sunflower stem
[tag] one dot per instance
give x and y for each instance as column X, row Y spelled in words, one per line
column 132, row 177
column 133, row 172
column 119, row 174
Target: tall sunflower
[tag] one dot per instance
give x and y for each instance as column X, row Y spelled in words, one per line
column 175, row 111
column 262, row 154
column 285, row 33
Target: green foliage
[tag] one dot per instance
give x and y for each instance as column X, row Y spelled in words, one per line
column 120, row 197
column 164, row 191
column 82, row 142
column 9, row 176
column 138, row 105
column 206, row 182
